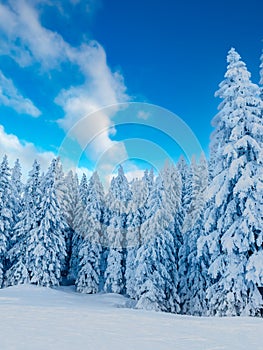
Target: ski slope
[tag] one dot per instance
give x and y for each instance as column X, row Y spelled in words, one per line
column 42, row 318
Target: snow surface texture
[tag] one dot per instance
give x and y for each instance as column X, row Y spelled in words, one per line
column 43, row 318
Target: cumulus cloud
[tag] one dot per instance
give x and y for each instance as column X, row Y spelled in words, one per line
column 131, row 172
column 25, row 151
column 10, row 97
column 136, row 174
column 82, row 170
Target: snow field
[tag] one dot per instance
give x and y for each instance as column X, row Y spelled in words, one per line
column 43, row 318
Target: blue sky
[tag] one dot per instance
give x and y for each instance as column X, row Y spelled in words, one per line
column 62, row 60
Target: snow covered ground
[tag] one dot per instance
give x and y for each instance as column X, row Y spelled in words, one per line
column 41, row 318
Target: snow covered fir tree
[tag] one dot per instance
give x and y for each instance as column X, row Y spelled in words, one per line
column 233, row 224
column 188, row 240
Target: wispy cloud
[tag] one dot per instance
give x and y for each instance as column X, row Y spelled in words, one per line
column 102, row 88
column 27, row 42
column 89, row 5
column 143, row 115
column 10, row 97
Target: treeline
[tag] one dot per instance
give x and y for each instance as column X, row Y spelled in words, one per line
column 189, row 241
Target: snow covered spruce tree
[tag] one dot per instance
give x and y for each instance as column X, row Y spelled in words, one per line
column 187, row 182
column 156, row 276
column 192, row 269
column 47, row 249
column 72, row 196
column 117, row 201
column 21, row 253
column 16, row 191
column 6, row 221
column 233, row 220
column 62, row 198
column 69, row 209
column 88, row 280
column 79, row 227
column 83, row 189
column 173, row 188
column 183, row 169
column 140, row 190
column 186, row 177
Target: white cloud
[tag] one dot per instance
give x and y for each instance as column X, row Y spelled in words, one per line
column 81, row 170
column 143, row 115
column 10, row 97
column 131, row 171
column 135, row 174
column 25, row 151
column 94, row 103
column 102, row 88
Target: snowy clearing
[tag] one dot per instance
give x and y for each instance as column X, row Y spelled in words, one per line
column 43, row 318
